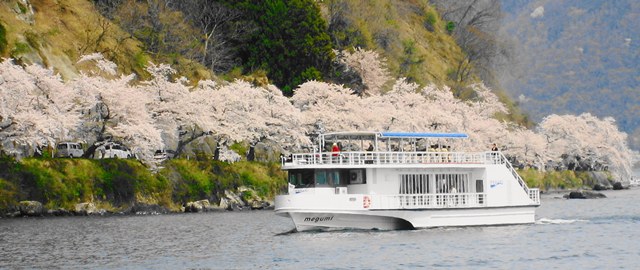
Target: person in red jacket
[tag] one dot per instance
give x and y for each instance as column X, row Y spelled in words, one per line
column 335, row 149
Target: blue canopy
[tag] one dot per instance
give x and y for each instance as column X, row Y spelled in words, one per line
column 421, row 135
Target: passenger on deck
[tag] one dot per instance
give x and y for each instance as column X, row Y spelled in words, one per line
column 335, row 149
column 370, row 148
column 494, row 148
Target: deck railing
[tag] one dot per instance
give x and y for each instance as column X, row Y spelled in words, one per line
column 404, row 158
column 360, row 158
column 421, row 201
column 534, row 193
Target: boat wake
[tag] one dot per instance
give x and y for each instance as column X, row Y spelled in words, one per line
column 294, row 230
column 557, row 221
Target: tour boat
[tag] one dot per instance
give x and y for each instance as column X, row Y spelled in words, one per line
column 400, row 180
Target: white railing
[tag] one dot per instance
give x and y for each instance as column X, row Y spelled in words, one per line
column 403, row 158
column 359, row 158
column 534, row 193
column 421, row 201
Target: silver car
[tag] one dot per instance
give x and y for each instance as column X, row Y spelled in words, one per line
column 69, row 149
column 112, row 150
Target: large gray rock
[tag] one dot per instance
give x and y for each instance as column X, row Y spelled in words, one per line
column 619, row 186
column 233, row 200
column 243, row 199
column 267, row 151
column 205, row 145
column 201, row 206
column 584, row 195
column 598, row 180
column 87, row 209
column 31, row 208
column 251, row 199
column 197, row 206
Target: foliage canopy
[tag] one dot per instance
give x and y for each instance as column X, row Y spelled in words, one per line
column 291, row 42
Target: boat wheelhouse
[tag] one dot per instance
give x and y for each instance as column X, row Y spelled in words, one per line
column 396, row 180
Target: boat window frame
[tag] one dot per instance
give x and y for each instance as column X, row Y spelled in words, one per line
column 308, row 178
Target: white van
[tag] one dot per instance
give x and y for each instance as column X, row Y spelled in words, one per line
column 112, row 150
column 69, row 149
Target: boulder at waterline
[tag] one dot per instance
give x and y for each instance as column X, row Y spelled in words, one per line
column 88, row 209
column 200, row 206
column 31, row 208
column 584, row 195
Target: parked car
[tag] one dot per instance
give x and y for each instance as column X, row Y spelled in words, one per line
column 112, row 150
column 69, row 149
column 161, row 155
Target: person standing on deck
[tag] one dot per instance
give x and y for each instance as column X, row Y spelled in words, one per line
column 335, row 151
column 494, row 148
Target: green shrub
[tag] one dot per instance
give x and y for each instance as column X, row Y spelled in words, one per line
column 33, row 39
column 8, row 194
column 450, row 26
column 553, row 179
column 240, row 148
column 20, row 48
column 21, row 7
column 430, row 20
column 3, row 38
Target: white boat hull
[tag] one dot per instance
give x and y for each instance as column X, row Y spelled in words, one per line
column 410, row 219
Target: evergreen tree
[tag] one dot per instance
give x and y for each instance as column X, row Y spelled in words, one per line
column 291, row 42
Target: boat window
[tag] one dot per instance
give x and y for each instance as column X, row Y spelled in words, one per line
column 321, row 178
column 333, row 178
column 452, row 183
column 479, row 186
column 326, row 178
column 414, row 183
column 301, row 178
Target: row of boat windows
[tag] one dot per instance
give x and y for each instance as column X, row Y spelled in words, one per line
column 326, row 178
column 437, row 183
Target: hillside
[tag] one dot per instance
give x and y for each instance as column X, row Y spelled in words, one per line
column 410, row 34
column 575, row 57
column 56, row 33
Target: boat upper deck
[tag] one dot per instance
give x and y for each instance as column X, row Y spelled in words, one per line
column 364, row 158
column 387, row 148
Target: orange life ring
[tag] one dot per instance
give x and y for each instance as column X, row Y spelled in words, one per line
column 366, row 202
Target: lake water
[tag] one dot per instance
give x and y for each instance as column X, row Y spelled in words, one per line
column 568, row 234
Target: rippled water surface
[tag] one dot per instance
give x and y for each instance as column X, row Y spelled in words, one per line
column 568, row 234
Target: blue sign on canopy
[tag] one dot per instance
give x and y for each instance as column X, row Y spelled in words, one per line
column 421, row 135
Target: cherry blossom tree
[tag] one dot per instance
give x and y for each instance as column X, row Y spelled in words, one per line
column 248, row 113
column 36, row 109
column 368, row 64
column 115, row 109
column 176, row 108
column 587, row 136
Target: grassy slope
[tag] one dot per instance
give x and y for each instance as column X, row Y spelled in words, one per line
column 62, row 31
column 401, row 34
column 398, row 31
column 117, row 183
